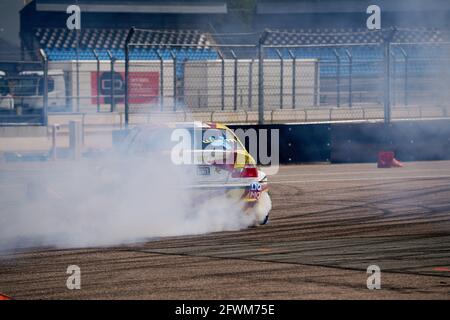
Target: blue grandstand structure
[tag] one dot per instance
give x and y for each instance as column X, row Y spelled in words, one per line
column 62, row 44
column 332, row 33
column 189, row 30
column 64, row 54
column 365, row 48
column 327, row 45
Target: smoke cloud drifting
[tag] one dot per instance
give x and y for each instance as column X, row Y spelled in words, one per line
column 111, row 201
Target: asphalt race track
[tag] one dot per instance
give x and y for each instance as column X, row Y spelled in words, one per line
column 328, row 224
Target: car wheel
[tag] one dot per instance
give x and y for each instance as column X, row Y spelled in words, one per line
column 266, row 220
column 262, row 208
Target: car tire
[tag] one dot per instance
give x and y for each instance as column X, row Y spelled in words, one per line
column 262, row 208
column 266, row 220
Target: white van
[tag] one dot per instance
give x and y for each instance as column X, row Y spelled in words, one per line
column 6, row 100
column 28, row 90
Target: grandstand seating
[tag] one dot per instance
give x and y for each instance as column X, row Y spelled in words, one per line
column 327, row 45
column 136, row 54
column 115, row 38
column 61, row 44
column 354, row 36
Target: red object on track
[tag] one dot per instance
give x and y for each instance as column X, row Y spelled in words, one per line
column 441, row 269
column 386, row 159
column 4, row 297
column 397, row 164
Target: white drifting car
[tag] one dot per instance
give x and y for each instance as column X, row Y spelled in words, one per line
column 222, row 166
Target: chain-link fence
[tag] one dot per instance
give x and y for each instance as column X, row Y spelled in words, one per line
column 90, row 85
column 277, row 76
column 375, row 77
column 24, row 88
column 420, row 74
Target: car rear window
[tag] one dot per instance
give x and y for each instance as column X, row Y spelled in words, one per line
column 155, row 140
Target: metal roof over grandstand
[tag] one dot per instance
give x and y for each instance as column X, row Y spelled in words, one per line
column 347, row 6
column 138, row 6
column 115, row 38
column 355, row 36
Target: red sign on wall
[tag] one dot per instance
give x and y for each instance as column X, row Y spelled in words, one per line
column 143, row 87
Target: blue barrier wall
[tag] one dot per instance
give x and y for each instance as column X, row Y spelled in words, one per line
column 361, row 142
column 298, row 143
column 352, row 143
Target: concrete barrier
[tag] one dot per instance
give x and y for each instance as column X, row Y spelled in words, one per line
column 75, row 139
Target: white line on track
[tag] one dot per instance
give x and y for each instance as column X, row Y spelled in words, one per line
column 360, row 179
column 404, row 170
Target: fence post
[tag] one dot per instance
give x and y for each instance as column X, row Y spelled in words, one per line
column 294, row 76
column 45, row 97
column 127, row 74
column 55, row 127
column 175, row 96
column 222, row 89
column 316, row 84
column 387, row 82
column 98, row 78
column 338, row 78
column 394, row 78
column 281, row 77
column 387, row 75
column 161, row 80
column 250, row 84
column 350, row 78
column 261, row 41
column 77, row 67
column 235, row 80
column 405, row 56
column 75, row 139
column 113, row 98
